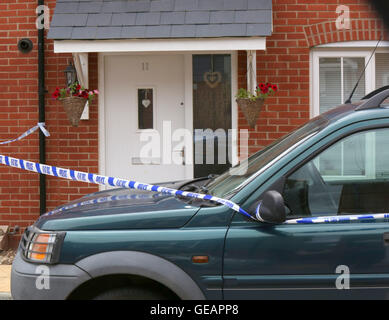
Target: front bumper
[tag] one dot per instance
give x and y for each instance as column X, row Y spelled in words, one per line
column 31, row 281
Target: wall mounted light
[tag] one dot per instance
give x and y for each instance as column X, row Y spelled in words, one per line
column 70, row 74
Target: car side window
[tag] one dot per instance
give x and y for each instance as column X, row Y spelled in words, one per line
column 350, row 177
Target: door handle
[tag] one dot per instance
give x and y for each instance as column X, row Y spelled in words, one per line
column 386, row 238
column 183, row 155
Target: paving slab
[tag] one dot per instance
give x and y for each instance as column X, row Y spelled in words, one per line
column 5, row 278
column 5, row 296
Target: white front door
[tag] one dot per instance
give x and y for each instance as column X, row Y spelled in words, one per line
column 144, row 100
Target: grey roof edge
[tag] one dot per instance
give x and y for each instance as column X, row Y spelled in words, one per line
column 178, row 37
column 161, row 32
column 142, row 19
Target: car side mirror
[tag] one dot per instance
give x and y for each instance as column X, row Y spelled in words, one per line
column 271, row 208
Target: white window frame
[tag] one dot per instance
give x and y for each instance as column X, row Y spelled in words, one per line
column 316, row 55
column 345, row 50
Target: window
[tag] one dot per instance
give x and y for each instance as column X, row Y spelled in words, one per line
column 381, row 69
column 145, row 108
column 347, row 160
column 338, row 77
column 362, row 184
column 335, row 73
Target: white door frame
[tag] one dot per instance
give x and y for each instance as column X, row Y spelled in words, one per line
column 188, row 76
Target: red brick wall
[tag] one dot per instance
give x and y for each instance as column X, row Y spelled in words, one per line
column 298, row 26
column 67, row 146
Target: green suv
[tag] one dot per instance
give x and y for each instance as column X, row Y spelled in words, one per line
column 319, row 199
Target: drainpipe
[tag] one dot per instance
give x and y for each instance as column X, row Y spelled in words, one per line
column 41, row 113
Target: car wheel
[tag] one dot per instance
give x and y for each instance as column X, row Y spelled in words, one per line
column 132, row 294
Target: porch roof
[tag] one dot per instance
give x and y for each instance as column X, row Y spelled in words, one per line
column 160, row 19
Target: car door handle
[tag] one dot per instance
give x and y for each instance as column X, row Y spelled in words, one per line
column 386, row 238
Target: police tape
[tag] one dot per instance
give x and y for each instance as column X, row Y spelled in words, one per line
column 123, row 183
column 40, row 125
column 111, row 181
column 342, row 218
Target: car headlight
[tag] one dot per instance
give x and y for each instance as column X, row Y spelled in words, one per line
column 41, row 246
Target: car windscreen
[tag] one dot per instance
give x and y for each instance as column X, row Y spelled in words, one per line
column 234, row 179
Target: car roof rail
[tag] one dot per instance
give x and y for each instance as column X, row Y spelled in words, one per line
column 373, row 93
column 374, row 101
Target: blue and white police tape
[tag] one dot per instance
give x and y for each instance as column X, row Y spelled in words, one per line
column 40, row 125
column 343, row 218
column 110, row 181
column 123, row 183
column 310, row 220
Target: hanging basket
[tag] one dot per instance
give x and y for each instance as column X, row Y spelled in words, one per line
column 250, row 109
column 74, row 107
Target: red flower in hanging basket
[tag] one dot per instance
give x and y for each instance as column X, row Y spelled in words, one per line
column 261, row 92
column 251, row 103
column 74, row 90
column 55, row 94
column 74, row 99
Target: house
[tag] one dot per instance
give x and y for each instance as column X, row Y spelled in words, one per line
column 165, row 68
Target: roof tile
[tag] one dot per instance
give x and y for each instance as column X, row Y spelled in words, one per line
column 133, row 32
column 69, row 20
column 100, row 19
column 60, row 33
column 183, row 31
column 222, row 17
column 220, row 30
column 162, row 5
column 235, row 5
column 158, row 31
column 123, row 19
column 109, row 32
column 90, row 7
column 69, row 7
column 138, row 6
column 84, row 33
column 148, row 18
column 259, row 4
column 197, row 17
column 172, row 18
column 185, row 5
column 113, row 6
column 210, row 5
